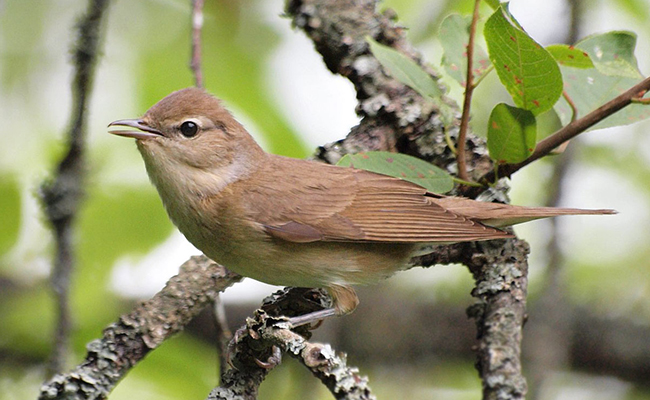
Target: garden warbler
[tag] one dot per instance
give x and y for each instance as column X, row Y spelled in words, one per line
column 294, row 222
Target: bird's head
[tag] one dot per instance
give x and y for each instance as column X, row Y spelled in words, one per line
column 190, row 135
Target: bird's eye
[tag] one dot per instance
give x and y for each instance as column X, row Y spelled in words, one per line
column 189, row 128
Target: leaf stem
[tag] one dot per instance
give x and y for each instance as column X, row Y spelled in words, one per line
column 483, row 75
column 469, row 89
column 466, row 183
column 450, row 142
column 569, row 100
column 638, row 100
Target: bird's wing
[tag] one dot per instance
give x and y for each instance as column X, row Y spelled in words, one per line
column 343, row 204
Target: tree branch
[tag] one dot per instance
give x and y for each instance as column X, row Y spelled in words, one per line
column 62, row 195
column 257, row 348
column 127, row 341
column 501, row 274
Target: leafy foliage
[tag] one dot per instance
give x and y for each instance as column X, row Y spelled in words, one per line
column 401, row 166
column 613, row 53
column 594, row 71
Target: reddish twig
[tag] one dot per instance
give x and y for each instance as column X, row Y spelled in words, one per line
column 469, row 89
column 223, row 333
column 197, row 26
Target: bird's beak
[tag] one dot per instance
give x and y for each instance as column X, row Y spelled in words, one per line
column 144, row 131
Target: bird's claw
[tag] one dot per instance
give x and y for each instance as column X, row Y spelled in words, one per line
column 272, row 361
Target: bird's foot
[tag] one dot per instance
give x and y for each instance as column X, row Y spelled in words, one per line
column 312, row 317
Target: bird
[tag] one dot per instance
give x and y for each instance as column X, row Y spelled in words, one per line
column 294, row 222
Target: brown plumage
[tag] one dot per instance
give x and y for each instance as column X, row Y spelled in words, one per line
column 294, row 222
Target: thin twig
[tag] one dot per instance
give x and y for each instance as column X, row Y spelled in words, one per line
column 62, row 196
column 223, row 333
column 573, row 129
column 485, row 73
column 197, row 26
column 467, row 102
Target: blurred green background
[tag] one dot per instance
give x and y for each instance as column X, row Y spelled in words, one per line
column 275, row 83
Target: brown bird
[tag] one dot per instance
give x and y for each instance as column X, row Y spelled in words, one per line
column 294, row 222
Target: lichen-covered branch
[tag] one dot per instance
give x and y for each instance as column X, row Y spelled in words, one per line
column 257, row 348
column 62, row 195
column 501, row 274
column 126, row 342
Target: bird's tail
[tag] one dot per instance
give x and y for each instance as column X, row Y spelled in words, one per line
column 499, row 215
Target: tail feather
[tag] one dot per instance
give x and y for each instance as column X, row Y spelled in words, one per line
column 499, row 215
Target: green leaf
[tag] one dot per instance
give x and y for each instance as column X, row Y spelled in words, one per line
column 570, row 56
column 412, row 75
column 454, row 37
column 401, row 166
column 512, row 134
column 613, row 53
column 405, row 70
column 529, row 72
column 593, row 87
column 9, row 212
